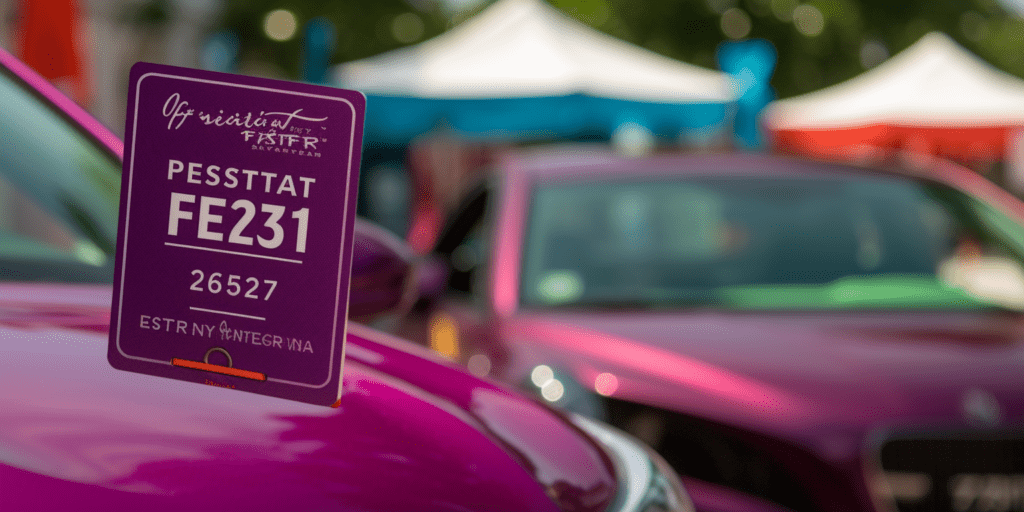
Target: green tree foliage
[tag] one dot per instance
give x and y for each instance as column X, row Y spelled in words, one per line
column 820, row 42
column 364, row 28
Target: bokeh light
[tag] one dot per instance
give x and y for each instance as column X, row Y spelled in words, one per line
column 783, row 9
column 720, row 6
column 280, row 25
column 407, row 28
column 808, row 20
column 735, row 23
column 873, row 53
column 560, row 286
column 606, row 384
column 479, row 365
column 553, row 390
column 541, row 375
column 444, row 336
column 633, row 139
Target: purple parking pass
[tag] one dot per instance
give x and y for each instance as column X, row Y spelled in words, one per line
column 235, row 238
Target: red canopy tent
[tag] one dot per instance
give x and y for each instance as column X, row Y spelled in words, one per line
column 933, row 99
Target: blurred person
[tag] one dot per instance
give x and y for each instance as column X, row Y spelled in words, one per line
column 984, row 273
column 48, row 40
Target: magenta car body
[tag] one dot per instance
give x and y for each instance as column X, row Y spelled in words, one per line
column 738, row 347
column 411, row 432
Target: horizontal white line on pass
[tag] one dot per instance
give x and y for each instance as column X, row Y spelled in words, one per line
column 183, row 246
column 193, row 308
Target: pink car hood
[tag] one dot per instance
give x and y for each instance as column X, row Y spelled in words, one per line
column 410, row 434
column 792, row 372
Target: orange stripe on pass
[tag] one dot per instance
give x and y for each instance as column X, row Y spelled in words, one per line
column 216, row 368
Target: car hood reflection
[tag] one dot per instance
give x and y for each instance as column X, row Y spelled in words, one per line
column 445, row 441
column 790, row 371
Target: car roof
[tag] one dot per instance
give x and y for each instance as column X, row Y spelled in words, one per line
column 584, row 162
column 62, row 103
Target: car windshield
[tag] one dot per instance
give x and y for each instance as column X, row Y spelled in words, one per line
column 58, row 194
column 830, row 242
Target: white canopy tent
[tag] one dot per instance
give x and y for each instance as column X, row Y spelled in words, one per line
column 935, row 98
column 522, row 48
column 521, row 69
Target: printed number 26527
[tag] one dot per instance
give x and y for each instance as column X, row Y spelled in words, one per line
column 232, row 285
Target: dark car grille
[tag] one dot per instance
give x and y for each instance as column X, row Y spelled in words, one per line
column 967, row 473
column 754, row 464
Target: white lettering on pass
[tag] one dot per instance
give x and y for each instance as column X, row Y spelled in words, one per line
column 164, row 324
column 213, row 214
column 210, row 218
column 230, row 178
column 228, row 333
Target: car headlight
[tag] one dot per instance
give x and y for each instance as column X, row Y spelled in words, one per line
column 646, row 482
column 561, row 390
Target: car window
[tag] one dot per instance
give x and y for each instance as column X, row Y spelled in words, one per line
column 58, row 194
column 830, row 242
column 1008, row 232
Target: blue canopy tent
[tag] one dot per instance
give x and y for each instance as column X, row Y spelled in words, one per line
column 398, row 119
column 522, row 71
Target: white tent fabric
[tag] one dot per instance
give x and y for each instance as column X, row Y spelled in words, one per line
column 933, row 83
column 526, row 48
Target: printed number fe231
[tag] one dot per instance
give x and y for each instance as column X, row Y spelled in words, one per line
column 232, row 286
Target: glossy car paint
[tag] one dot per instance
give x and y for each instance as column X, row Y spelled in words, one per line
column 73, row 428
column 871, row 368
column 827, row 385
column 410, row 433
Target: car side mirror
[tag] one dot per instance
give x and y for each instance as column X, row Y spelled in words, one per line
column 383, row 274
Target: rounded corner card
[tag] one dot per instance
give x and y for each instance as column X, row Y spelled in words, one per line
column 233, row 263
